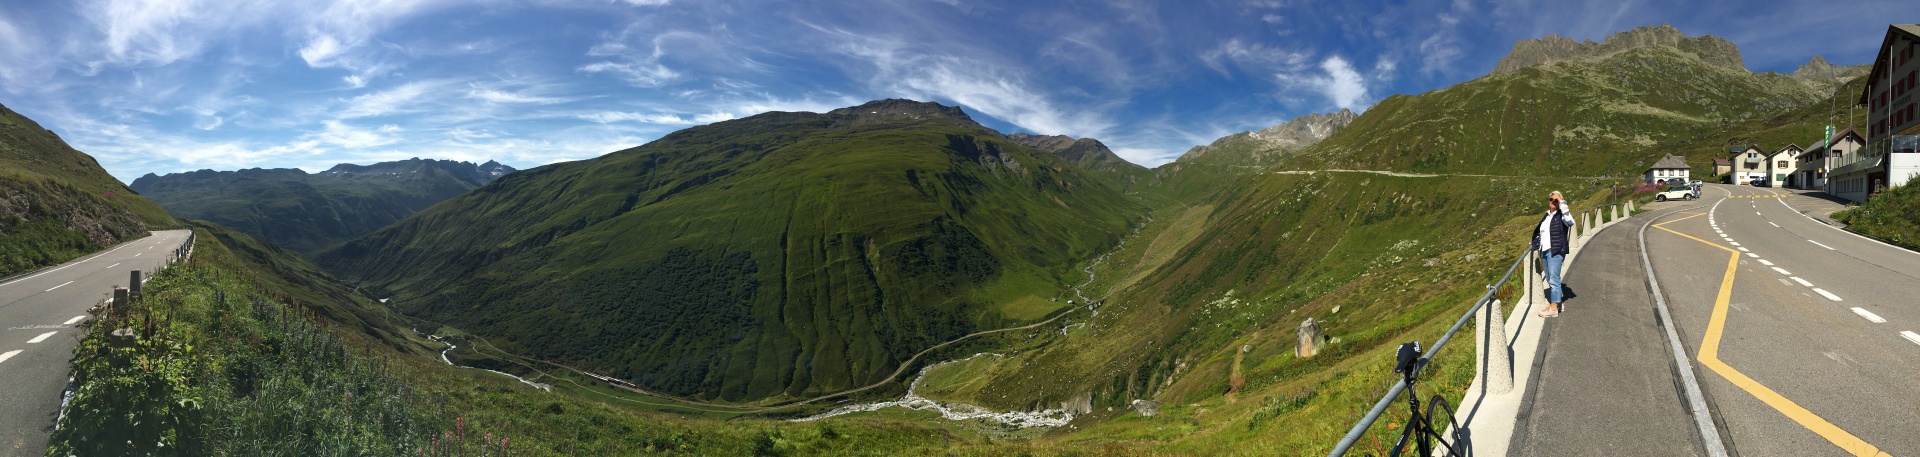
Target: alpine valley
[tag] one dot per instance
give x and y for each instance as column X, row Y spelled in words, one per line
column 895, row 278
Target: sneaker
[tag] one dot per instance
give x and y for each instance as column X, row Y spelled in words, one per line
column 1551, row 313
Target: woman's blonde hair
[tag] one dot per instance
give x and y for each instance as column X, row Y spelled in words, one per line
column 1556, row 194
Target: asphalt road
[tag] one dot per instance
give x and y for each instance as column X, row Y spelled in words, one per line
column 1604, row 383
column 38, row 312
column 1805, row 338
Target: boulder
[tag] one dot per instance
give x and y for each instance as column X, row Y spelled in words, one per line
column 1147, row 408
column 1311, row 341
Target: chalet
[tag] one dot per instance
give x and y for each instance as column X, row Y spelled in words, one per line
column 1722, row 166
column 1667, row 168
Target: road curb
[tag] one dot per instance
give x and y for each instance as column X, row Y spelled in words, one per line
column 1696, row 400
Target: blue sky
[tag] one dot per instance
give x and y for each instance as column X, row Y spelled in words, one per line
column 175, row 85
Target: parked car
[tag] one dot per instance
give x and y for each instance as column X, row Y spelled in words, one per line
column 1674, row 193
column 1675, row 182
column 1758, row 182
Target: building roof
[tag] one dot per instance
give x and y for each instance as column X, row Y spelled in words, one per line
column 1669, row 162
column 1910, row 31
column 1837, row 136
column 1719, row 162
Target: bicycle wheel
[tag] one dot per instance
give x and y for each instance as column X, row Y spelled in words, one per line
column 1454, row 441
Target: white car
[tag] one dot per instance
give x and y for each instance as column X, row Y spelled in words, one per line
column 1676, row 193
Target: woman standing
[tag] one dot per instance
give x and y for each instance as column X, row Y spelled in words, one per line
column 1551, row 238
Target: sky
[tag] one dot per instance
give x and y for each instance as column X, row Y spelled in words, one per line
column 164, row 86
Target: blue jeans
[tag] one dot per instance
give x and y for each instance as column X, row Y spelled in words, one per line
column 1551, row 263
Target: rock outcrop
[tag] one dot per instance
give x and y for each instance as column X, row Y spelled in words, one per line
column 1291, row 135
column 1555, row 48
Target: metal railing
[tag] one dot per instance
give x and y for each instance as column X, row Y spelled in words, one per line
column 1353, row 435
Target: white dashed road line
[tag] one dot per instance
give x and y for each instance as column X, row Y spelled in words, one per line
column 1817, row 243
column 1825, row 293
column 1742, row 249
column 114, row 265
column 59, row 286
column 137, row 254
column 74, row 320
column 1782, row 271
column 1914, row 337
column 1765, row 262
column 10, row 354
column 1871, row 317
column 1731, row 242
column 1753, row 255
column 1802, row 282
column 42, row 337
column 1774, row 225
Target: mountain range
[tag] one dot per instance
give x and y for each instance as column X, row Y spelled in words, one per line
column 776, row 256
column 306, row 212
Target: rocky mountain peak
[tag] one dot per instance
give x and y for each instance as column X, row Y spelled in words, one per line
column 1294, row 134
column 1086, row 152
column 1555, row 48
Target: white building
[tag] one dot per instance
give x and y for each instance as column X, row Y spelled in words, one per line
column 1892, row 154
column 1669, row 167
column 1752, row 163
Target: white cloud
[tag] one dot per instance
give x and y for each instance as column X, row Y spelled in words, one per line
column 620, row 116
column 637, row 73
column 1257, row 57
column 976, row 83
column 497, row 96
column 340, row 134
column 403, row 99
column 648, row 2
column 1339, row 83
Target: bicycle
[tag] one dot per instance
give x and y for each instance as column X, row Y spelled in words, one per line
column 1436, row 424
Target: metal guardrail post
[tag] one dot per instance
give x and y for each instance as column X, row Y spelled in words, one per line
column 1379, row 407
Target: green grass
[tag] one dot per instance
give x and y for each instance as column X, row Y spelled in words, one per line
column 1893, row 216
column 225, row 365
column 56, row 203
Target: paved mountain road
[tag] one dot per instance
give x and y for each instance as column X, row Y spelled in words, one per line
column 1803, row 335
column 37, row 335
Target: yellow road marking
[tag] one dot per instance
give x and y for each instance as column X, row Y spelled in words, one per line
column 1710, row 356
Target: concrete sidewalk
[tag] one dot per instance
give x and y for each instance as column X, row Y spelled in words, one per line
column 1587, row 357
column 1604, row 381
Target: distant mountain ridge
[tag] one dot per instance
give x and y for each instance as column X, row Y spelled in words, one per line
column 1555, row 48
column 306, row 212
column 1293, row 134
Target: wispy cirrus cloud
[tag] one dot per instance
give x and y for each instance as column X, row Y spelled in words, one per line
column 1001, row 92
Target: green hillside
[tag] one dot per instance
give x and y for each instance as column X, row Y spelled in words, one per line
column 307, row 212
column 1202, row 305
column 56, row 203
column 782, row 255
column 1607, row 117
column 231, row 358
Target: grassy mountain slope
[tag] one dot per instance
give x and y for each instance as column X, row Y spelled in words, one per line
column 307, row 212
column 781, row 255
column 56, row 203
column 1588, row 118
column 1204, row 303
column 226, row 364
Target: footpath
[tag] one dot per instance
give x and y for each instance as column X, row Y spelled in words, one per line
column 1599, row 379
